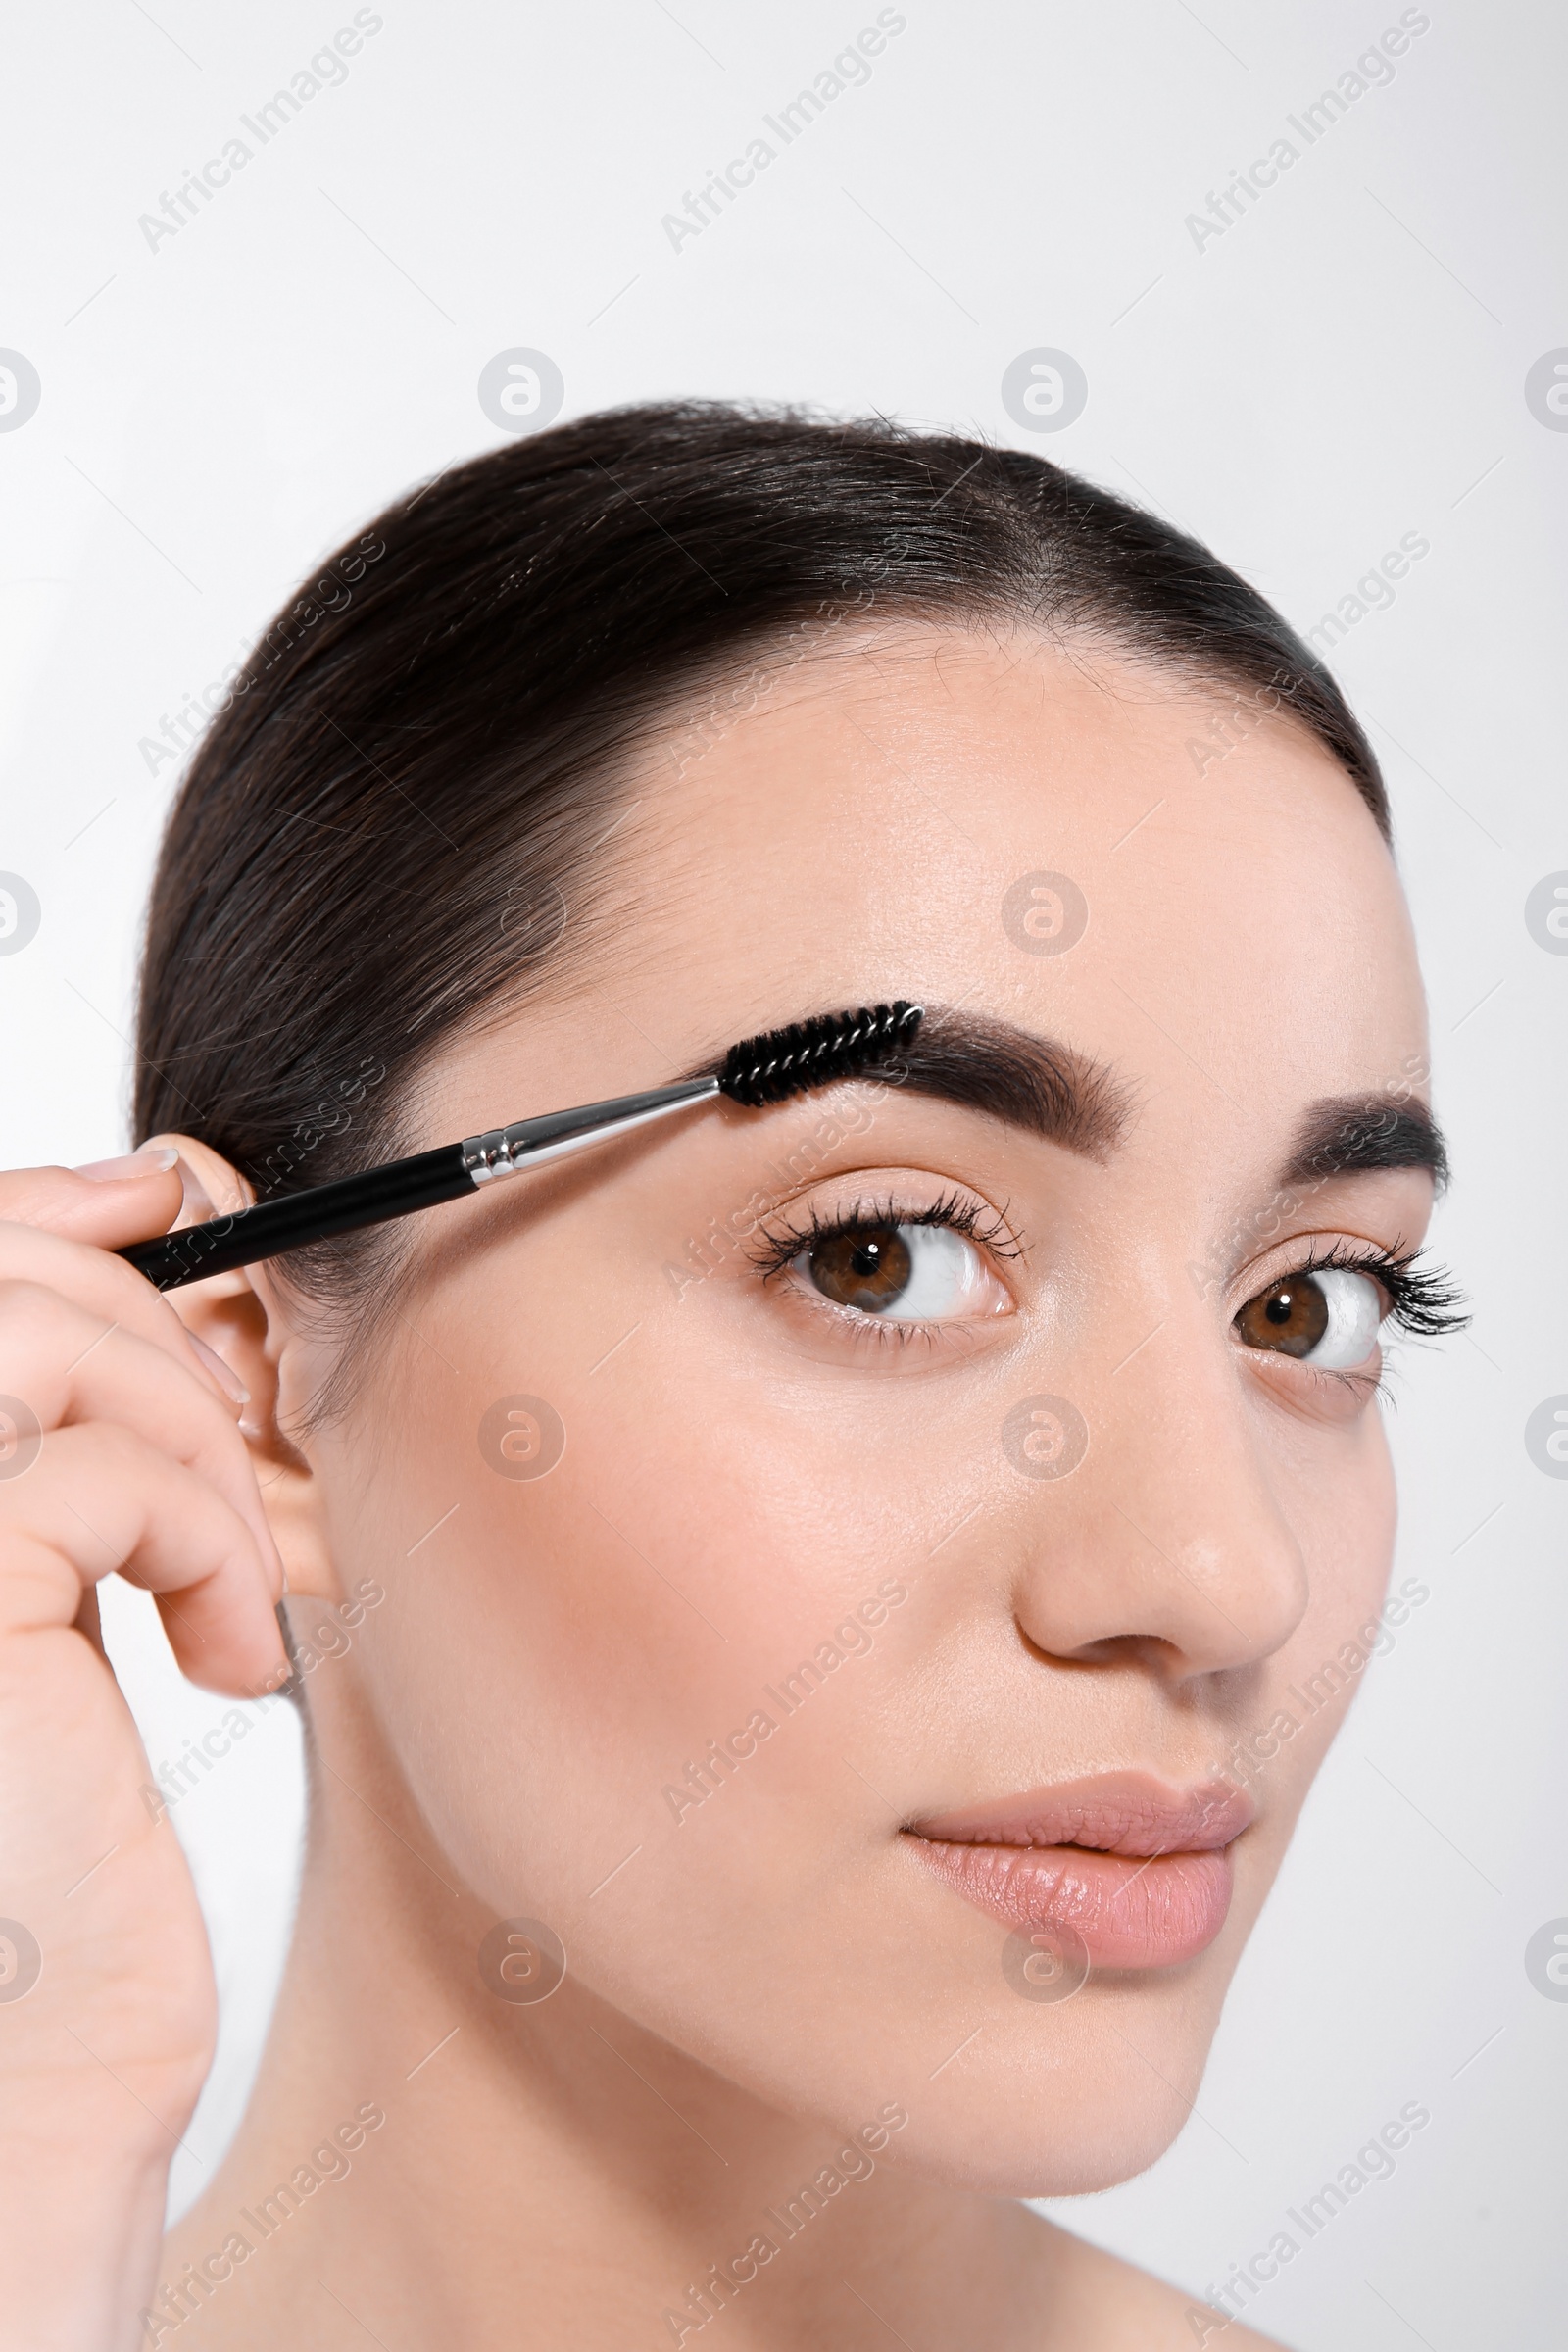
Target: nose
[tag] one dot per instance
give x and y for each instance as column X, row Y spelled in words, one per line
column 1168, row 1539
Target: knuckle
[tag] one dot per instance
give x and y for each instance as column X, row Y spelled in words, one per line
column 32, row 1313
column 19, row 1291
column 104, row 1449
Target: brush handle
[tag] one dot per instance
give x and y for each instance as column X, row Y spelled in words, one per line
column 297, row 1218
column 398, row 1189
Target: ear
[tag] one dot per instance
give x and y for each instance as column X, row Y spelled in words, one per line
column 244, row 1318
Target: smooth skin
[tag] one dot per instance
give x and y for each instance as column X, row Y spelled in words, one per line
column 756, row 1974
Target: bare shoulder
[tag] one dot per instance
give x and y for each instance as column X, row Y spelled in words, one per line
column 1098, row 2303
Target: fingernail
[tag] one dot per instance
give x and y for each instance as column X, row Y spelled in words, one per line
column 230, row 1381
column 152, row 1162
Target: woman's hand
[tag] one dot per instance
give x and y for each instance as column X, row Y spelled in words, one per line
column 118, row 1450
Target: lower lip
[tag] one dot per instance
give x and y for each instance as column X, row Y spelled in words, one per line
column 1130, row 1913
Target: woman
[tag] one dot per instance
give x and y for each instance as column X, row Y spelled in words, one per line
column 808, row 1612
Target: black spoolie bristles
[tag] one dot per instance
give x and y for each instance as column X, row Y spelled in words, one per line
column 811, row 1054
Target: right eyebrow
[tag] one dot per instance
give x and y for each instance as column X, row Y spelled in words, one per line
column 1031, row 1082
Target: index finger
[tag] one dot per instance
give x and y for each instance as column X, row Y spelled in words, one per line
column 102, row 1284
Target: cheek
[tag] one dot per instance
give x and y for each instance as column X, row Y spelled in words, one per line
column 563, row 1647
column 1340, row 1497
column 1337, row 1490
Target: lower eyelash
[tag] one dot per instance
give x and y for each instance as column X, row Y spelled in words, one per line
column 1363, row 1386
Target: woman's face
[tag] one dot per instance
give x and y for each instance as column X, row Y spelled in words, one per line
column 918, row 1473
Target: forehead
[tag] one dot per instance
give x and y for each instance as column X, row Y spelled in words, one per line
column 1057, row 835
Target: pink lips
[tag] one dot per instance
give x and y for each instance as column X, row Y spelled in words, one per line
column 1140, row 1871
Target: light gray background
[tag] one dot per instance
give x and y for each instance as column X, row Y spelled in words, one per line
column 1345, row 364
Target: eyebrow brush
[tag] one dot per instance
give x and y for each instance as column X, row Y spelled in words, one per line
column 760, row 1071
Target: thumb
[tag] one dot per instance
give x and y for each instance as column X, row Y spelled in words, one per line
column 107, row 1202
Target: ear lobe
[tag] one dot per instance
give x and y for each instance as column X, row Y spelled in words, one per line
column 241, row 1317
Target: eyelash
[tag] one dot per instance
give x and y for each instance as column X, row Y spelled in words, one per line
column 775, row 1252
column 1422, row 1300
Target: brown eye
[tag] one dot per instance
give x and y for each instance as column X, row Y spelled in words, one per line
column 1290, row 1317
column 887, row 1272
column 868, row 1268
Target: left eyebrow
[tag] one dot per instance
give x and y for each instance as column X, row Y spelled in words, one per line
column 1348, row 1135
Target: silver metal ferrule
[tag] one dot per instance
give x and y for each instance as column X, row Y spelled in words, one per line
column 506, row 1151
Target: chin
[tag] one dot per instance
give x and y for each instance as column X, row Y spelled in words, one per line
column 1080, row 2144
column 1087, row 2102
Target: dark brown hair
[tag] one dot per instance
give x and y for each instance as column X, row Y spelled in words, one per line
column 380, row 833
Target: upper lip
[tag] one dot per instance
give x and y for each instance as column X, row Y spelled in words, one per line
column 1113, row 1813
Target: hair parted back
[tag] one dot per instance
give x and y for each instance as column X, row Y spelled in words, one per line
column 379, row 836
